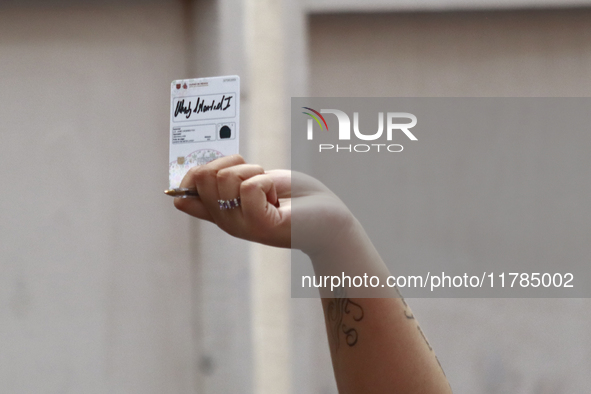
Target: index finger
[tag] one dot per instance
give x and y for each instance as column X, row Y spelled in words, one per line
column 203, row 178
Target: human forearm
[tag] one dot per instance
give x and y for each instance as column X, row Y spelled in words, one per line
column 376, row 344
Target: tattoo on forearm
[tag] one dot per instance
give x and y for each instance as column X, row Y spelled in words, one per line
column 407, row 312
column 424, row 337
column 409, row 315
column 339, row 313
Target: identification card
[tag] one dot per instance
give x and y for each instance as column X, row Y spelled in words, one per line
column 204, row 122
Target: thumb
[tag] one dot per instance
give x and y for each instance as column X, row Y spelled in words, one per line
column 282, row 181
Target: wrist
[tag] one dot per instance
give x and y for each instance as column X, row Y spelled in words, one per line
column 349, row 261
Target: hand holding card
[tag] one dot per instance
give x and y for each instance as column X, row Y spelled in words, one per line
column 252, row 196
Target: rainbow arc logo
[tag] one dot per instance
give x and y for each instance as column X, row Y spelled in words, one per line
column 316, row 117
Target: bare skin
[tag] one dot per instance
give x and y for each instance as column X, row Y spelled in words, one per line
column 376, row 344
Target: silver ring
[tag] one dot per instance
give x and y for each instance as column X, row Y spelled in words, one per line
column 229, row 204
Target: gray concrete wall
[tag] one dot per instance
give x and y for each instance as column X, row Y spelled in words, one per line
column 485, row 345
column 95, row 272
column 326, row 6
column 105, row 286
column 106, row 290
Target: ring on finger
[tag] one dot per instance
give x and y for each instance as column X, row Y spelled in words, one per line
column 229, row 204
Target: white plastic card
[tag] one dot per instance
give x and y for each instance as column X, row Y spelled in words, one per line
column 204, row 122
